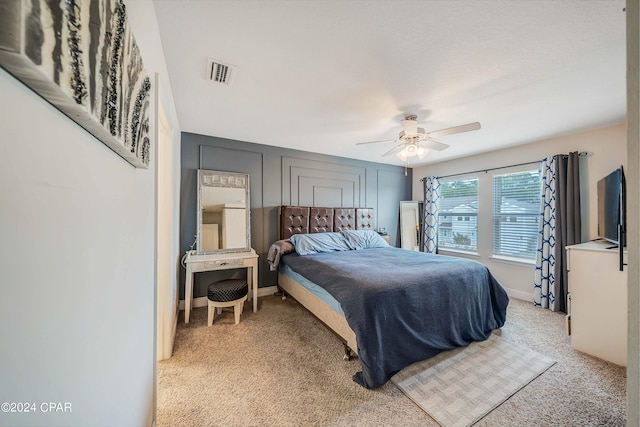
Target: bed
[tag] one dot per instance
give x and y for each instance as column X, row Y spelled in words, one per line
column 391, row 306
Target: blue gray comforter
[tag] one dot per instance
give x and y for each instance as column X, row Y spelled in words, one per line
column 406, row 306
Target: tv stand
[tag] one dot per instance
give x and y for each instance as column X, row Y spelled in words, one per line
column 598, row 301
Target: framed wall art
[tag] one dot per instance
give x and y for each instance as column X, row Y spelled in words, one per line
column 81, row 56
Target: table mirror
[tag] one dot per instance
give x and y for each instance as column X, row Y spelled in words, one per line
column 223, row 212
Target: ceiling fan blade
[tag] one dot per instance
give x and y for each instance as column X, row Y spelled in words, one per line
column 395, row 149
column 456, row 129
column 375, row 142
column 434, row 145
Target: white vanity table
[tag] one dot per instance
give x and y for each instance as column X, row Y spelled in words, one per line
column 223, row 232
column 225, row 261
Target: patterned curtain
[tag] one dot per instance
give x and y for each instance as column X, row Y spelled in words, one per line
column 430, row 215
column 545, row 275
column 560, row 226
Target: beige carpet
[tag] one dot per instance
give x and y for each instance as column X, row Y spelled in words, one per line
column 458, row 387
column 281, row 367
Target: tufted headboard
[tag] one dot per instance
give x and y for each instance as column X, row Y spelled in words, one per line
column 311, row 219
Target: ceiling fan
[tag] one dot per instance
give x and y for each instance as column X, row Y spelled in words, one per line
column 413, row 141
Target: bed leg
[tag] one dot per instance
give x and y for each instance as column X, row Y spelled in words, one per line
column 283, row 295
column 348, row 355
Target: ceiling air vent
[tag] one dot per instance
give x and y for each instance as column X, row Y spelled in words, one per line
column 218, row 72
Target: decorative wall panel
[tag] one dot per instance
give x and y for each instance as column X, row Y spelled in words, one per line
column 81, row 56
column 387, row 210
column 325, row 196
column 277, row 174
column 315, row 191
column 314, row 183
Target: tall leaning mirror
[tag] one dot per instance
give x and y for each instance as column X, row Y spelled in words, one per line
column 223, row 212
column 410, row 225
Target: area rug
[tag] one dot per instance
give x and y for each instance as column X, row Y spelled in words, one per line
column 459, row 387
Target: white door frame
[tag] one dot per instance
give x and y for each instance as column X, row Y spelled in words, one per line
column 167, row 309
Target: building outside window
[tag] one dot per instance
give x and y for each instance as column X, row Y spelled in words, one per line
column 516, row 213
column 458, row 215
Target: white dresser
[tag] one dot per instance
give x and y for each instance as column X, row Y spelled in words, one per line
column 598, row 301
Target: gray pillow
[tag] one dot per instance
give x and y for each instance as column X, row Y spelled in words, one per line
column 307, row 244
column 363, row 239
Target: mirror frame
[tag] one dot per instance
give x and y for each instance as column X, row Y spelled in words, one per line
column 414, row 206
column 221, row 179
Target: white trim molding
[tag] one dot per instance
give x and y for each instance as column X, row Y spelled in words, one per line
column 517, row 294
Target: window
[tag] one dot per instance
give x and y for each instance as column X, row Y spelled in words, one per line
column 516, row 213
column 458, row 215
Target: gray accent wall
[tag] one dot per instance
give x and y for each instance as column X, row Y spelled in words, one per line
column 280, row 176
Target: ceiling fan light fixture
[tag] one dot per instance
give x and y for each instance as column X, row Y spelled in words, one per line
column 411, row 136
column 410, row 126
column 412, row 151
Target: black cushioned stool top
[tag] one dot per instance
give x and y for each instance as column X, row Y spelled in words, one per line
column 227, row 290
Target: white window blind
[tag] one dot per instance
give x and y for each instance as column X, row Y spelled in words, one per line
column 458, row 215
column 516, row 213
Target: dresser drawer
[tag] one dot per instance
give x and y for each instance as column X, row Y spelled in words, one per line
column 219, row 264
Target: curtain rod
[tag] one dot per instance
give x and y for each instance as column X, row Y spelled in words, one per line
column 581, row 154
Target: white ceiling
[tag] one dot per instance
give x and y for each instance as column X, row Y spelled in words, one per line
column 323, row 75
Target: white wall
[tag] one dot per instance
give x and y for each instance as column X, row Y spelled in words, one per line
column 76, row 261
column 607, row 151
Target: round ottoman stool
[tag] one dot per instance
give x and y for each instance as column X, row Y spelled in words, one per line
column 227, row 293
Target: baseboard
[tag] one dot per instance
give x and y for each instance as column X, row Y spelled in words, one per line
column 202, row 301
column 267, row 291
column 175, row 330
column 514, row 293
column 270, row 290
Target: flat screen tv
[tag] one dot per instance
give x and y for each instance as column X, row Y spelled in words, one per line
column 611, row 207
